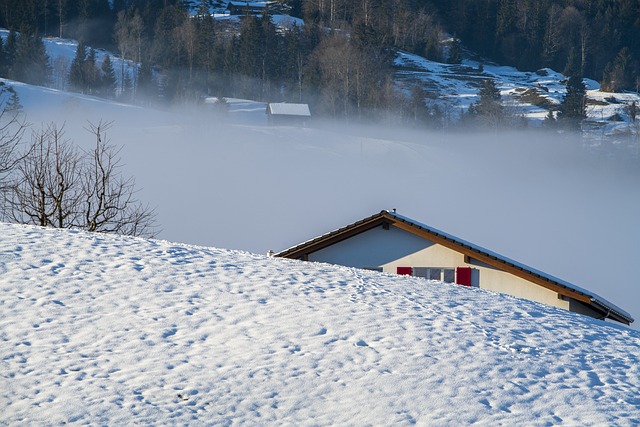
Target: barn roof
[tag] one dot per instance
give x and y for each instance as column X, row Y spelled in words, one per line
column 287, row 109
column 493, row 259
column 262, row 4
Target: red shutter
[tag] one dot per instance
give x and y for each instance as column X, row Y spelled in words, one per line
column 463, row 276
column 406, row 271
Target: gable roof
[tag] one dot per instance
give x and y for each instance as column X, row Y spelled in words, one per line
column 287, row 109
column 256, row 5
column 493, row 259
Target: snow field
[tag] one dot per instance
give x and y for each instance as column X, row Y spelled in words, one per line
column 100, row 329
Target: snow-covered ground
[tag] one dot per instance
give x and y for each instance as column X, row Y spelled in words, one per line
column 108, row 330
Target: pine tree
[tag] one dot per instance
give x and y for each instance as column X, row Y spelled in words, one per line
column 488, row 109
column 9, row 99
column 10, row 49
column 206, row 50
column 619, row 75
column 454, row 52
column 108, row 78
column 573, row 106
column 632, row 110
column 147, row 89
column 77, row 72
column 13, row 103
column 31, row 63
column 4, row 66
column 92, row 73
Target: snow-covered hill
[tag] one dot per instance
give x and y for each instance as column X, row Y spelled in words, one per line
column 108, row 330
column 530, row 95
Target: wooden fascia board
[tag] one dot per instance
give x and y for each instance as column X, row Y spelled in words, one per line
column 334, row 238
column 492, row 261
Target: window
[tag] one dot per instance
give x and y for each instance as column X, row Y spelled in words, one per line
column 449, row 275
column 435, row 274
column 459, row 275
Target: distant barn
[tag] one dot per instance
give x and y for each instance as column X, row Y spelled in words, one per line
column 247, row 8
column 284, row 113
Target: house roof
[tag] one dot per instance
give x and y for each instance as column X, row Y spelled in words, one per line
column 493, row 259
column 249, row 4
column 287, row 109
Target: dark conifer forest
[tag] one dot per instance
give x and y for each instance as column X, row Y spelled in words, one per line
column 341, row 58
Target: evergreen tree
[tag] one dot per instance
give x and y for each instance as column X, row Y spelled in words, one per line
column 31, row 63
column 488, row 109
column 620, row 75
column 4, row 66
column 632, row 111
column 108, row 78
column 13, row 103
column 126, row 88
column 573, row 106
column 147, row 89
column 92, row 73
column 77, row 72
column 10, row 49
column 206, row 51
column 9, row 99
column 454, row 52
column 572, row 66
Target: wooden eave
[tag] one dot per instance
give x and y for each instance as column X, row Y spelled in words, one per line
column 303, row 250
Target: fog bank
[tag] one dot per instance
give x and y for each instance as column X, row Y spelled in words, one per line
column 539, row 198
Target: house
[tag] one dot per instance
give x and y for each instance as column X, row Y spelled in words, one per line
column 248, row 8
column 392, row 243
column 284, row 113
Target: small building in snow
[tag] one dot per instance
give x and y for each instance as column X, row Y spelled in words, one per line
column 284, row 113
column 248, row 8
column 392, row 243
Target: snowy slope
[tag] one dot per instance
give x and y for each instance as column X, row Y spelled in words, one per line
column 108, row 330
column 527, row 94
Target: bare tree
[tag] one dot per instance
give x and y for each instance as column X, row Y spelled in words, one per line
column 187, row 37
column 110, row 203
column 57, row 185
column 45, row 190
column 62, row 10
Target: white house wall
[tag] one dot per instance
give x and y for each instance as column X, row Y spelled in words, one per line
column 392, row 248
column 371, row 249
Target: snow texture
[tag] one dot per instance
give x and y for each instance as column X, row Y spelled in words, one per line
column 108, row 330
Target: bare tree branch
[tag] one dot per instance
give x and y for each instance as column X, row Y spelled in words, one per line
column 57, row 185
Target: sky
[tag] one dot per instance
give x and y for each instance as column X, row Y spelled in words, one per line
column 101, row 329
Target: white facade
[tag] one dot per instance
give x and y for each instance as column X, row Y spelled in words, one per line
column 390, row 248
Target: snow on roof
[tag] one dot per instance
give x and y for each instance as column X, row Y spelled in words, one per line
column 250, row 4
column 287, row 109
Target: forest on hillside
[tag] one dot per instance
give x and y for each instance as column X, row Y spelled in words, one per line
column 340, row 60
